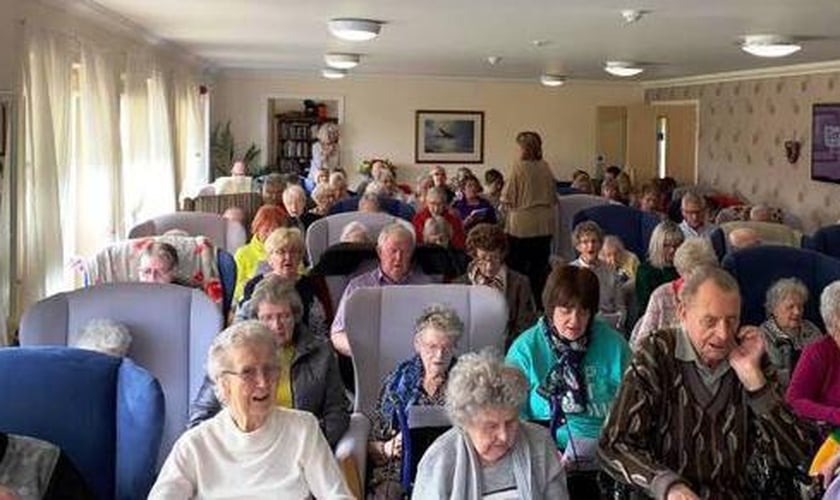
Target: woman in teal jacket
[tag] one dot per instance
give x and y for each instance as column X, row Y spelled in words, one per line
column 573, row 361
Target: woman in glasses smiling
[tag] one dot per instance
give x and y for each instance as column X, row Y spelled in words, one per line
column 306, row 377
column 252, row 448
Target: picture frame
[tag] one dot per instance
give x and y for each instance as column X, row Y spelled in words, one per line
column 4, row 126
column 825, row 142
column 447, row 136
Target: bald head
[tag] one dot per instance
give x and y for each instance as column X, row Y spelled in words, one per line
column 744, row 237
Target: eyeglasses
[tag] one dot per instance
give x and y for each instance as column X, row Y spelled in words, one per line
column 280, row 318
column 442, row 348
column 489, row 258
column 250, row 375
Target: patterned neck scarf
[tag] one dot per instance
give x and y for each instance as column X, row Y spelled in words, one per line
column 477, row 278
column 565, row 385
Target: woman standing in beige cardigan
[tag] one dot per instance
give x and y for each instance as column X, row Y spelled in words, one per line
column 529, row 200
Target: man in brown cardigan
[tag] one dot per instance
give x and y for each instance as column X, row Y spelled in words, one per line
column 695, row 402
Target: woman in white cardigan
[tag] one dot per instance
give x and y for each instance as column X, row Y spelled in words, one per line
column 251, row 449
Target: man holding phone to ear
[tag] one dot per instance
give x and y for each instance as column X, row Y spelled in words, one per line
column 694, row 401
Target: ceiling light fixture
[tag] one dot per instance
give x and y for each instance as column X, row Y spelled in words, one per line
column 552, row 80
column 342, row 61
column 333, row 73
column 769, row 45
column 630, row 16
column 622, row 68
column 354, row 30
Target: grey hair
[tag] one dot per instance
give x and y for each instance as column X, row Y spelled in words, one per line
column 320, row 190
column 244, row 333
column 394, row 229
column 441, row 318
column 274, row 179
column 761, row 213
column 830, row 305
column 336, row 178
column 276, row 290
column 106, row 336
column 354, row 227
column 371, row 197
column 698, row 277
column 587, row 227
column 375, row 188
column 437, row 225
column 614, row 241
column 692, row 198
column 692, row 254
column 482, row 380
column 292, row 190
column 326, row 131
column 665, row 231
column 436, row 191
column 782, row 289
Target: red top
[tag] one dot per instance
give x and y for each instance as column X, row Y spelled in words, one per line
column 814, row 390
column 458, row 239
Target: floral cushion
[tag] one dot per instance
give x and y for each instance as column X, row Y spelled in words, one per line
column 197, row 265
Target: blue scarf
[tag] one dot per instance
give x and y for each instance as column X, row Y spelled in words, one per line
column 565, row 385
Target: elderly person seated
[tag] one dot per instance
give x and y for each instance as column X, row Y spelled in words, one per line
column 294, row 201
column 418, row 381
column 786, row 331
column 622, row 261
column 369, row 203
column 650, row 199
column 106, row 336
column 436, row 231
column 324, row 197
column 355, row 232
column 438, row 174
column 661, row 312
column 248, row 257
column 34, row 469
column 814, row 390
column 424, row 183
column 487, row 244
column 272, row 189
column 252, row 448
column 338, row 181
column 574, row 363
column 471, row 207
column 696, row 403
column 609, row 190
column 489, row 453
column 284, row 249
column 394, row 248
column 588, row 239
column 494, row 182
column 158, row 264
column 659, row 268
column 308, row 378
column 388, row 180
column 436, row 206
column 743, row 237
column 761, row 213
column 695, row 213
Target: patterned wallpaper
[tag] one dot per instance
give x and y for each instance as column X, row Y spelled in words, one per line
column 742, row 131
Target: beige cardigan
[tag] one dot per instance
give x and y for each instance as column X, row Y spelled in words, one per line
column 530, row 197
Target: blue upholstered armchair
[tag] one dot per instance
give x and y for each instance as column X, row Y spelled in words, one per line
column 633, row 226
column 825, row 240
column 106, row 413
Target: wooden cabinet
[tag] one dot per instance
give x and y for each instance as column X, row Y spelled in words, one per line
column 294, row 136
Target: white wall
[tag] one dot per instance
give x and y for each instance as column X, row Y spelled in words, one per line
column 9, row 29
column 378, row 114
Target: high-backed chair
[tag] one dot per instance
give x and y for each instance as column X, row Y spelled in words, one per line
column 105, row 413
column 171, row 326
column 326, row 231
column 380, row 328
column 394, row 207
column 567, row 206
column 825, row 240
column 224, row 233
column 771, row 233
column 757, row 268
column 633, row 226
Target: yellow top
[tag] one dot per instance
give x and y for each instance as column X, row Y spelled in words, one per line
column 283, row 396
column 247, row 259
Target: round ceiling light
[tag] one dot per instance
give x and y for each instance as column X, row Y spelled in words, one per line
column 342, row 61
column 552, row 80
column 622, row 68
column 333, row 73
column 354, row 30
column 769, row 45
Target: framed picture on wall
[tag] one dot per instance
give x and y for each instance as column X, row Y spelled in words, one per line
column 449, row 136
column 825, row 143
column 4, row 126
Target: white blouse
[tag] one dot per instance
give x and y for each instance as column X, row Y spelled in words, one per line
column 286, row 458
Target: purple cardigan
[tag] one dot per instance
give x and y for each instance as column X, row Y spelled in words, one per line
column 814, row 389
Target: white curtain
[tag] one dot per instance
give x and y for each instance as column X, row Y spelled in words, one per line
column 148, row 161
column 191, row 130
column 47, row 67
column 6, row 221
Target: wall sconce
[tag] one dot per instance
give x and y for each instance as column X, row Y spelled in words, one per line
column 792, row 150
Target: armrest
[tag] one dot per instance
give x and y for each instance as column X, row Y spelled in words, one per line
column 353, row 446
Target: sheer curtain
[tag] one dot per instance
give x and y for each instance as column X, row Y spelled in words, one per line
column 190, row 127
column 47, row 66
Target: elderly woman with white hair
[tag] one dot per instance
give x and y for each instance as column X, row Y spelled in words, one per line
column 355, row 232
column 106, row 336
column 661, row 312
column 324, row 197
column 786, row 331
column 417, row 381
column 252, row 448
column 489, row 453
column 294, row 201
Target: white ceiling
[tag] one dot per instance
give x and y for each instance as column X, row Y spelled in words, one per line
column 454, row 37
